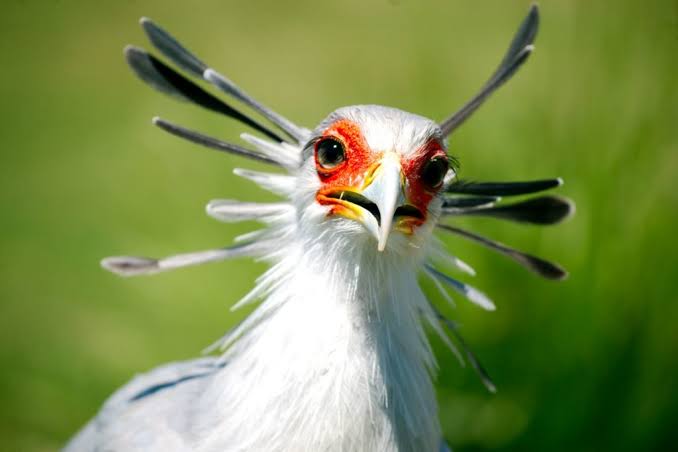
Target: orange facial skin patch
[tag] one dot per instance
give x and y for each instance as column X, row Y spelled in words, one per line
column 338, row 205
column 407, row 225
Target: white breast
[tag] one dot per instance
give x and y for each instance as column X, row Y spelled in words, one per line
column 340, row 364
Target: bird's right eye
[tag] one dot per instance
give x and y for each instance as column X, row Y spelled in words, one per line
column 329, row 153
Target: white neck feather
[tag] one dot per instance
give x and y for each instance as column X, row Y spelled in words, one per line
column 334, row 359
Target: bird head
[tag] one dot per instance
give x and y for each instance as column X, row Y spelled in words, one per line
column 375, row 171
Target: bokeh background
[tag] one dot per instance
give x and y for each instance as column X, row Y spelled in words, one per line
column 588, row 364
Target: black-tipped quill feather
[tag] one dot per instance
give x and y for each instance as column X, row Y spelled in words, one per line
column 165, row 79
column 503, row 188
column 540, row 266
column 543, row 210
column 470, row 356
column 134, row 265
column 171, row 48
column 517, row 53
column 212, row 143
column 474, row 295
column 186, row 60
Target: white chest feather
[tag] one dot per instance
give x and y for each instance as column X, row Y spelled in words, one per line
column 338, row 363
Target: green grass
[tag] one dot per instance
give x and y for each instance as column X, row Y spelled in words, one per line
column 587, row 364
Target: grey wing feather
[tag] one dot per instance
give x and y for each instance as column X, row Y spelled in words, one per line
column 104, row 431
column 444, row 447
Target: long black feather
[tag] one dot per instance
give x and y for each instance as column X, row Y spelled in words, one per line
column 171, row 48
column 543, row 210
column 517, row 53
column 186, row 60
column 165, row 79
column 212, row 143
column 503, row 188
column 540, row 266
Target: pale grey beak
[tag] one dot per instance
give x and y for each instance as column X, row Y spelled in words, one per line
column 386, row 191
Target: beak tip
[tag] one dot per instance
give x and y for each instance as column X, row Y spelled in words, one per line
column 386, row 192
column 382, row 238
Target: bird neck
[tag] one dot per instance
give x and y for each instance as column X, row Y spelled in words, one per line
column 336, row 352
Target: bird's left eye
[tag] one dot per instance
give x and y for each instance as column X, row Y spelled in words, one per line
column 329, row 153
column 433, row 172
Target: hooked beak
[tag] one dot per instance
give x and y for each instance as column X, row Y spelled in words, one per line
column 385, row 189
column 380, row 200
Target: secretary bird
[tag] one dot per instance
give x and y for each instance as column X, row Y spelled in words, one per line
column 335, row 356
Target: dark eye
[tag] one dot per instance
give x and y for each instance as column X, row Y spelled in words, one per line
column 329, row 153
column 433, row 172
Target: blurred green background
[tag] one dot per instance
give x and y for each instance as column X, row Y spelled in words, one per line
column 587, row 364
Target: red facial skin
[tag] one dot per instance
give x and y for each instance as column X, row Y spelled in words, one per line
column 360, row 161
column 418, row 193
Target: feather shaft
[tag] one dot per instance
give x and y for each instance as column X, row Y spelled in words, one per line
column 229, row 210
column 471, row 293
column 517, row 53
column 539, row 266
column 210, row 142
column 163, row 78
column 188, row 61
column 133, row 265
column 475, row 362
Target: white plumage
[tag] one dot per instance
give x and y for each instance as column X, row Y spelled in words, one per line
column 335, row 356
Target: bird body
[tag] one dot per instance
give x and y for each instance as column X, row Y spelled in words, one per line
column 335, row 357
